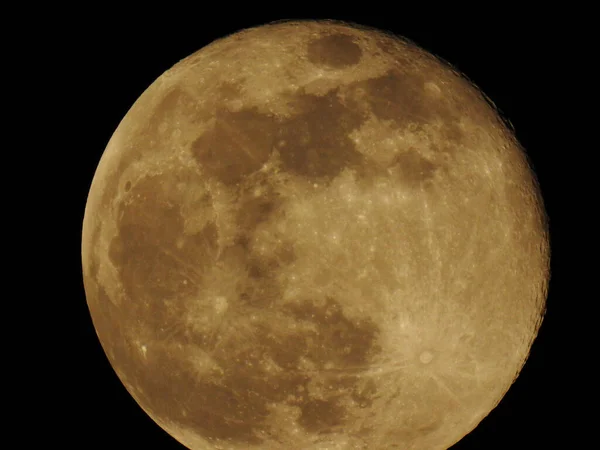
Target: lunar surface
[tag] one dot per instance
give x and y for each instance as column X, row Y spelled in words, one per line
column 313, row 235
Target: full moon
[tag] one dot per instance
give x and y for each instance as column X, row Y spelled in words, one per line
column 315, row 235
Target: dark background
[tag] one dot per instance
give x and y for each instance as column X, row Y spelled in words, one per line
column 103, row 59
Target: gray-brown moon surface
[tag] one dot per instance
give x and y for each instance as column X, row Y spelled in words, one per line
column 313, row 235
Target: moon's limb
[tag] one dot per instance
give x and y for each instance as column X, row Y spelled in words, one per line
column 311, row 235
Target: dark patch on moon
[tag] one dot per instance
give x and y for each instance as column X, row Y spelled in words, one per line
column 259, row 202
column 399, row 97
column 229, row 91
column 317, row 143
column 337, row 51
column 312, row 144
column 238, row 144
column 412, row 169
column 364, row 392
column 93, row 249
column 320, row 415
column 260, row 288
column 240, row 407
column 339, row 331
column 234, row 405
column 153, row 269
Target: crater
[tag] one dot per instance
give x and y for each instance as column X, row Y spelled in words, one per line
column 337, row 51
column 426, row 357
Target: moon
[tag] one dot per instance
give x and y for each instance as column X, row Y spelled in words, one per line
column 315, row 235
